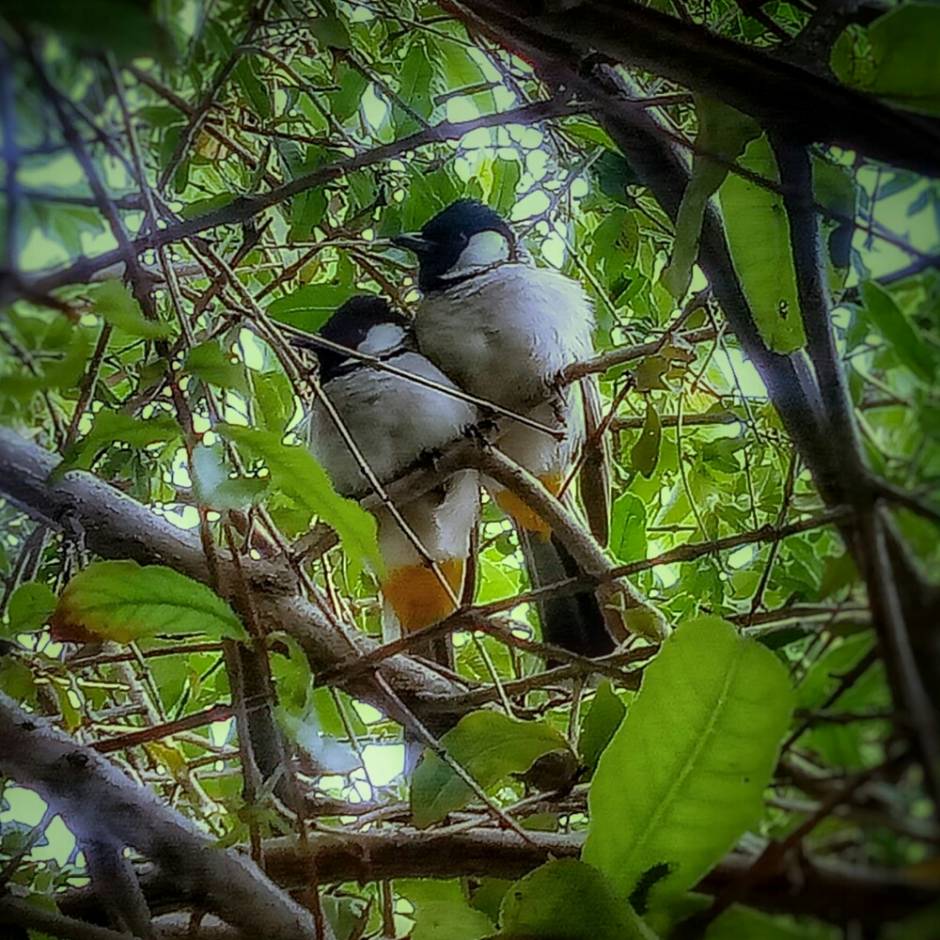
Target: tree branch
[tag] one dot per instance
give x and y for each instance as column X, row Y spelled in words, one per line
column 99, row 803
column 116, row 526
column 778, row 94
column 244, row 208
column 813, row 886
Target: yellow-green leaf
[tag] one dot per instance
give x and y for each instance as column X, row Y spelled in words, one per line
column 759, row 238
column 683, row 777
column 298, row 475
column 489, row 746
column 119, row 308
column 645, row 453
column 124, row 601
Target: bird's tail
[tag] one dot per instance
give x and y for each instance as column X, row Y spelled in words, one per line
column 573, row 621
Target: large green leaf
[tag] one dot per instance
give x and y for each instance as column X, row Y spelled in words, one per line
column 568, row 900
column 124, row 601
column 442, row 911
column 759, row 238
column 722, row 136
column 297, row 475
column 489, row 746
column 683, row 777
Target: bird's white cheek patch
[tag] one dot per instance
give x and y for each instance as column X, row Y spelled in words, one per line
column 483, row 250
column 382, row 338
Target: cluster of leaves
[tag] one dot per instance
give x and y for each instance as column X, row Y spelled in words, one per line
column 699, row 454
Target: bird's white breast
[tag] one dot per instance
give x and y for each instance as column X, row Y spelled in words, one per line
column 392, row 421
column 506, row 333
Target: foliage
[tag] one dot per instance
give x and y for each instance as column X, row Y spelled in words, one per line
column 124, row 601
column 173, row 384
column 685, row 773
column 489, row 746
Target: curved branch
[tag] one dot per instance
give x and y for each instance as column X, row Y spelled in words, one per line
column 115, row 526
column 779, row 94
column 99, row 803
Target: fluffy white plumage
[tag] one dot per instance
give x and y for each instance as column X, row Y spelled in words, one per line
column 393, row 422
column 505, row 335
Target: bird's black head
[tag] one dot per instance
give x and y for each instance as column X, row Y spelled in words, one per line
column 464, row 238
column 365, row 323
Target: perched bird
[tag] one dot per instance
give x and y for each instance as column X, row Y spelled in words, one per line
column 504, row 330
column 393, row 421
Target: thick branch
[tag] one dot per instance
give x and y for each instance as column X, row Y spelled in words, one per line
column 778, row 94
column 815, row 886
column 99, row 803
column 116, row 526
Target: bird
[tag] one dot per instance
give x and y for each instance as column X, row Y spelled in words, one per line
column 504, row 329
column 393, row 422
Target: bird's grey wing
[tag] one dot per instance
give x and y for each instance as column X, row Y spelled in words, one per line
column 594, row 479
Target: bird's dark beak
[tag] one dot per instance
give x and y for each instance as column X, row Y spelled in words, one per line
column 413, row 241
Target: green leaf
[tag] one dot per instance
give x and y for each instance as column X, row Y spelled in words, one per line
column 124, row 601
column 416, row 87
column 506, row 175
column 209, row 362
column 256, row 91
column 645, row 452
column 628, row 528
column 592, row 133
column 902, row 57
column 489, row 746
column 214, row 486
column 684, row 775
column 722, row 136
column 30, row 607
column 600, row 723
column 68, row 371
column 16, row 680
column 759, row 238
column 890, row 321
column 309, row 307
column 442, row 911
column 296, row 473
column 119, row 308
column 348, row 98
column 274, row 403
column 114, row 426
column 568, row 900
column 330, row 31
